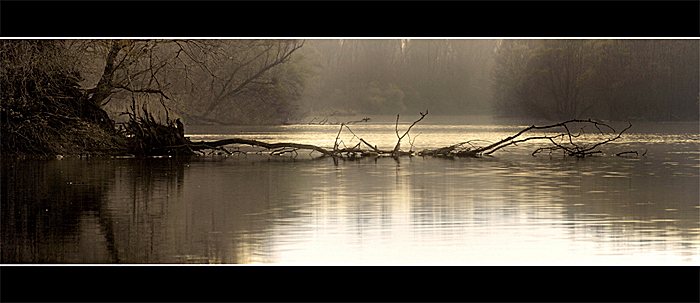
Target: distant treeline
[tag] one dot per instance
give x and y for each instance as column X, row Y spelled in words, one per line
column 653, row 80
column 390, row 76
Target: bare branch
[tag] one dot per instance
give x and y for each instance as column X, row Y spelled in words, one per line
column 145, row 90
column 398, row 143
column 573, row 150
column 280, row 58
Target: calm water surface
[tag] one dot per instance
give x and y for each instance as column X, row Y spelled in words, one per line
column 509, row 209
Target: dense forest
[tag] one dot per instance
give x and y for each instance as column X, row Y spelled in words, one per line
column 73, row 96
column 652, row 80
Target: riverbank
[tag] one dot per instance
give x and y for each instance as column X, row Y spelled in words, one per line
column 79, row 138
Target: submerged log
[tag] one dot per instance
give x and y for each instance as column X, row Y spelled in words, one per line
column 203, row 145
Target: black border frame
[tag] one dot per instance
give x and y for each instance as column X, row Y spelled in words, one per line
column 473, row 19
column 349, row 18
column 350, row 283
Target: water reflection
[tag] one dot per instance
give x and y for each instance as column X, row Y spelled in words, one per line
column 54, row 212
column 467, row 214
column 512, row 209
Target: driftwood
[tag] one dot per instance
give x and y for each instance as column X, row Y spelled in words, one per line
column 565, row 141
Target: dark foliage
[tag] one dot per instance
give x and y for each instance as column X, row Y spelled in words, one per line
column 43, row 111
column 617, row 80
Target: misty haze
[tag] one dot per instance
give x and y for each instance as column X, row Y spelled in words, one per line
column 351, row 151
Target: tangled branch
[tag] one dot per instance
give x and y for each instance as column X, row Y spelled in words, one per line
column 564, row 141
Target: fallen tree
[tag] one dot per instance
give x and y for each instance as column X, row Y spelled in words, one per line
column 564, row 140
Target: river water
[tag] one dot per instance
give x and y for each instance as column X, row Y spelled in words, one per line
column 510, row 209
